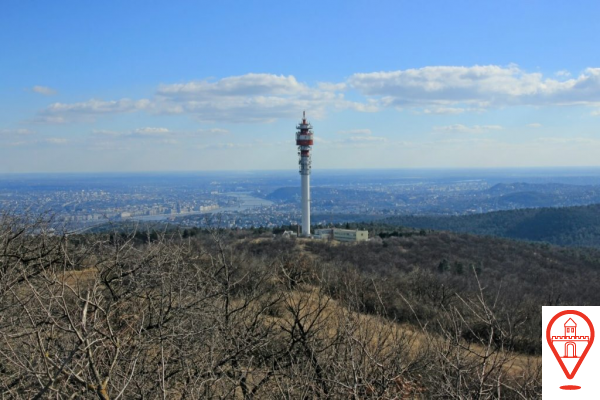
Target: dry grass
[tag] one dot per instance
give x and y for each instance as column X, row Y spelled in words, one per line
column 84, row 277
column 310, row 299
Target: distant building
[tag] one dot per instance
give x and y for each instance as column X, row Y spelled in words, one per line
column 289, row 234
column 342, row 235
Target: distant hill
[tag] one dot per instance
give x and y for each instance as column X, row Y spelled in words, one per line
column 567, row 226
column 528, row 195
column 505, row 188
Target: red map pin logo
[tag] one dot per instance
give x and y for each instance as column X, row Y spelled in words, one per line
column 570, row 335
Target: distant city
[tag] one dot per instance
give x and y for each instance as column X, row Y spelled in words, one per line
column 269, row 199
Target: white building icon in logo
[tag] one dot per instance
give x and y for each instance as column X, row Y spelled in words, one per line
column 568, row 343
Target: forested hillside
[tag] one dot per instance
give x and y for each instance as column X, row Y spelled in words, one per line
column 433, row 270
column 568, row 226
column 219, row 313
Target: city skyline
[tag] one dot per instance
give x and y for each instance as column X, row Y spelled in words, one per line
column 131, row 87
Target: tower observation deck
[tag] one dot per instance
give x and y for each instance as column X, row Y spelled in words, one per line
column 304, row 141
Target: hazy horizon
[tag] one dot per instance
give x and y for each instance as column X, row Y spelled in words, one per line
column 288, row 170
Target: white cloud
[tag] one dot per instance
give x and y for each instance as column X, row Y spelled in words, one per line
column 444, row 110
column 49, row 119
column 149, row 131
column 139, row 133
column 251, row 98
column 595, row 113
column 55, row 140
column 45, row 90
column 28, row 141
column 263, row 98
column 95, row 106
column 367, row 139
column 356, row 141
column 245, row 98
column 360, row 132
column 332, row 87
column 563, row 74
column 243, row 85
column 465, row 141
column 18, row 143
column 534, row 125
column 460, row 128
column 220, row 146
column 159, row 132
column 103, row 132
column 212, row 131
column 482, row 86
column 67, row 112
column 16, row 132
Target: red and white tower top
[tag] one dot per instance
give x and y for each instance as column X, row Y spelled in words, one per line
column 304, row 141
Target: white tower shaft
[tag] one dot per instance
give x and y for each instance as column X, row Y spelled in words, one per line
column 305, row 205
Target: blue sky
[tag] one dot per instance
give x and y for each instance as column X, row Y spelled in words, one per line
column 190, row 85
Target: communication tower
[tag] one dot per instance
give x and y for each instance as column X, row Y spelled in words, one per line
column 304, row 141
